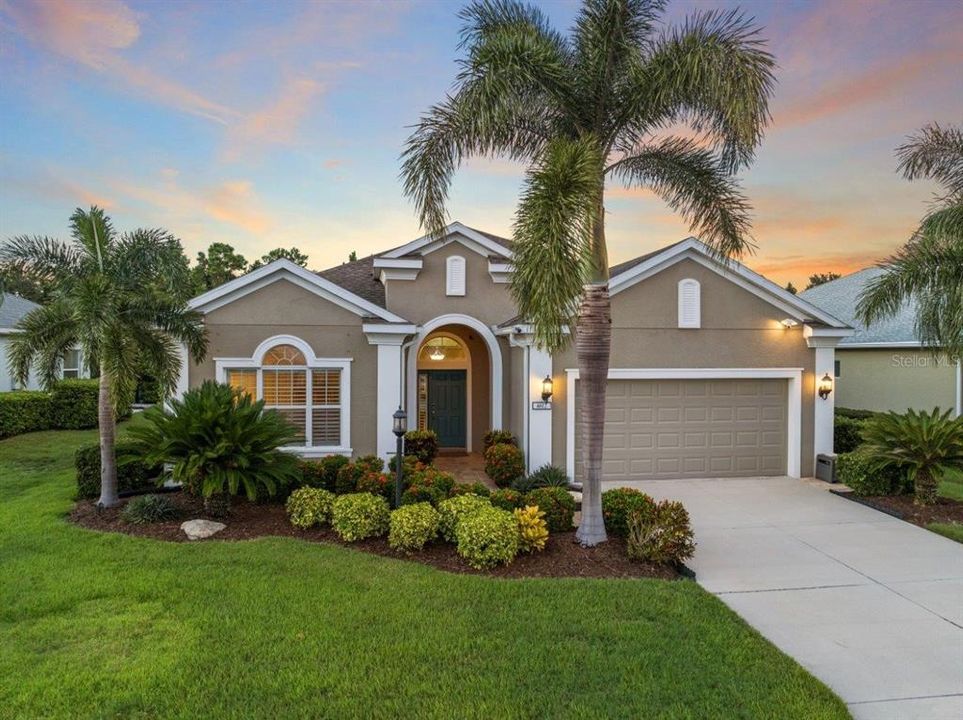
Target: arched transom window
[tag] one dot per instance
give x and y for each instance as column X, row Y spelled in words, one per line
column 311, row 393
column 441, row 348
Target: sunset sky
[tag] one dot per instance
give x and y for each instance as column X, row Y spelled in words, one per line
column 277, row 124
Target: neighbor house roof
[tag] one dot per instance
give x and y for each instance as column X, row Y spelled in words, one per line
column 840, row 297
column 13, row 309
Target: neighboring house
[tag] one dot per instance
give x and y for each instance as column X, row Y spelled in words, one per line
column 883, row 367
column 714, row 368
column 12, row 310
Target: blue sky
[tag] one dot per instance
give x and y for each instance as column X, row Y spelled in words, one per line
column 279, row 124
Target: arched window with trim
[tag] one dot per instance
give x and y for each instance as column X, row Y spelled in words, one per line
column 311, row 393
column 690, row 302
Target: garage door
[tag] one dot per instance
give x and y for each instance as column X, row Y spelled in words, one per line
column 661, row 429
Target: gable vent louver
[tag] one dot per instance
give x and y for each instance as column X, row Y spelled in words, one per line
column 455, row 275
column 689, row 304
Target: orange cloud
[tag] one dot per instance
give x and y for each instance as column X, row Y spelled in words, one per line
column 235, row 203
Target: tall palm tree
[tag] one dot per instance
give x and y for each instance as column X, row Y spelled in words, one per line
column 929, row 267
column 597, row 106
column 120, row 297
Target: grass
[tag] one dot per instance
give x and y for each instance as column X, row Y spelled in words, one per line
column 952, row 530
column 111, row 626
column 951, row 486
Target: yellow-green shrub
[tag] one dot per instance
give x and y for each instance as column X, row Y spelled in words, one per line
column 532, row 530
column 412, row 526
column 453, row 509
column 357, row 516
column 309, row 506
column 487, row 537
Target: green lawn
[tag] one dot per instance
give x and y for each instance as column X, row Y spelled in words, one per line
column 951, row 485
column 100, row 625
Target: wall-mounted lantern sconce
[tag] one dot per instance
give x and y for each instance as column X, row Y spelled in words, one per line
column 547, row 388
column 825, row 386
column 788, row 323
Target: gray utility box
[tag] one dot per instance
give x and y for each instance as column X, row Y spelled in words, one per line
column 826, row 467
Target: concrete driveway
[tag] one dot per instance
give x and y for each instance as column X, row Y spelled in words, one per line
column 869, row 604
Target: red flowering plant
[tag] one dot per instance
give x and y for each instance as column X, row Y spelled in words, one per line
column 504, row 464
column 376, row 483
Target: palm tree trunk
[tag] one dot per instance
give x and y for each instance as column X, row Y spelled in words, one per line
column 108, row 464
column 925, row 487
column 593, row 344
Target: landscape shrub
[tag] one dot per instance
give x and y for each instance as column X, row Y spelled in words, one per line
column 847, row 434
column 497, row 437
column 145, row 509
column 73, row 404
column 475, row 488
column 411, row 526
column 347, row 479
column 854, row 414
column 330, row 465
column 421, row 493
column 866, row 475
column 557, row 504
column 532, row 529
column 422, row 444
column 357, row 516
column 370, row 463
column 487, row 537
column 661, row 534
column 132, row 472
column 312, row 474
column 430, row 476
column 377, row 483
column 504, row 464
column 547, row 475
column 454, row 509
column 618, row 504
column 309, row 506
column 506, row 499
column 23, row 411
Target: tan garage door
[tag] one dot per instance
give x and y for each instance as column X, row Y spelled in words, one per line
column 660, row 429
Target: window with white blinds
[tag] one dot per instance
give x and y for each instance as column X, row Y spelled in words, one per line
column 310, row 397
column 690, row 311
column 455, row 275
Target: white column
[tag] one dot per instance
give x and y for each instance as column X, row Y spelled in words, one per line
column 539, row 421
column 824, row 408
column 389, row 394
column 959, row 388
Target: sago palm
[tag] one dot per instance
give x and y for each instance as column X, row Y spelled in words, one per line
column 927, row 444
column 219, row 442
column 120, row 298
column 928, row 268
column 596, row 106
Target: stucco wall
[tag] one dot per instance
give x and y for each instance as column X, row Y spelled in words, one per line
column 894, row 379
column 423, row 299
column 283, row 308
column 739, row 330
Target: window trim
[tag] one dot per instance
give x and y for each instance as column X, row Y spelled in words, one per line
column 78, row 369
column 255, row 362
column 696, row 321
column 450, row 289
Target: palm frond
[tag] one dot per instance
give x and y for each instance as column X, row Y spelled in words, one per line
column 553, row 237
column 92, row 230
column 150, row 257
column 41, row 259
column 45, row 333
column 935, row 153
column 694, row 183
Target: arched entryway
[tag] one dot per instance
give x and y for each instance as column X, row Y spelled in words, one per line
column 455, row 381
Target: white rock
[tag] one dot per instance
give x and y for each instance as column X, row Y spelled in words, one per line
column 200, row 529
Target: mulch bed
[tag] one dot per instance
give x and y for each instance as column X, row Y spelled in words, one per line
column 944, row 511
column 562, row 557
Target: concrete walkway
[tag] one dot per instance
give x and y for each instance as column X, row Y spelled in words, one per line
column 870, row 605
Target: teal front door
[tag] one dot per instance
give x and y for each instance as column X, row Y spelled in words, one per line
column 447, row 406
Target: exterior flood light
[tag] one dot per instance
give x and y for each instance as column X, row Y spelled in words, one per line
column 547, row 388
column 825, row 386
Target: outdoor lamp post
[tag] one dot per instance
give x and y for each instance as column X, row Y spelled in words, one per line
column 825, row 386
column 399, row 426
column 547, row 388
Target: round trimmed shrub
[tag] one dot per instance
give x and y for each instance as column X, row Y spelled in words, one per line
column 376, row 483
column 454, row 509
column 488, row 537
column 422, row 494
column 847, row 433
column 618, row 504
column 330, row 465
column 497, row 437
column 346, row 480
column 557, row 504
column 475, row 488
column 661, row 534
column 504, row 464
column 309, row 506
column 357, row 516
column 506, row 499
column 532, row 530
column 146, row 509
column 863, row 472
column 412, row 526
column 422, row 444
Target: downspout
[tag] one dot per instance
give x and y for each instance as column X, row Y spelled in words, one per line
column 959, row 387
column 525, row 424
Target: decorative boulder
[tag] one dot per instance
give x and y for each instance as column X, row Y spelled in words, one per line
column 200, row 529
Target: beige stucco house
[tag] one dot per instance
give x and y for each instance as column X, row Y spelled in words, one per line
column 714, row 369
column 883, row 367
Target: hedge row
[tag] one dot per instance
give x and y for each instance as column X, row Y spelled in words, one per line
column 133, row 475
column 70, row 405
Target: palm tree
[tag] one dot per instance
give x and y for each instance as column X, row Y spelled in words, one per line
column 929, row 267
column 120, row 297
column 580, row 111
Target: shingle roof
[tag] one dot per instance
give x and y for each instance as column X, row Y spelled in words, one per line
column 358, row 277
column 629, row 264
column 839, row 299
column 13, row 309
